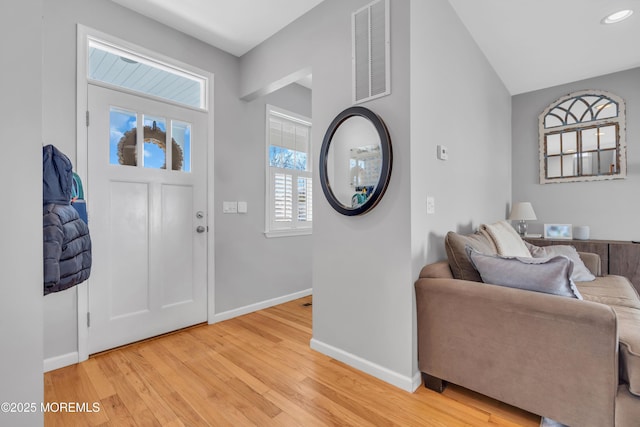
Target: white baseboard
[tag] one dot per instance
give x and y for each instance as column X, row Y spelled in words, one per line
column 403, row 382
column 416, row 381
column 61, row 361
column 230, row 314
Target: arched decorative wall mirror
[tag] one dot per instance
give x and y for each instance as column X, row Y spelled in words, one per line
column 355, row 161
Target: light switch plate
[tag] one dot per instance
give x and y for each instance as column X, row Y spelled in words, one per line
column 431, row 205
column 242, row 207
column 230, row 207
column 443, row 152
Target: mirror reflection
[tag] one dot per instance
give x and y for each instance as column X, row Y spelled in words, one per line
column 354, row 161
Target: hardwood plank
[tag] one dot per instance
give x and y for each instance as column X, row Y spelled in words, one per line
column 115, row 409
column 235, row 371
column 255, row 370
column 153, row 374
column 394, row 404
column 209, row 403
column 72, row 384
column 348, row 403
column 295, row 409
column 50, row 396
column 501, row 413
column 147, row 393
column 129, row 396
column 101, row 383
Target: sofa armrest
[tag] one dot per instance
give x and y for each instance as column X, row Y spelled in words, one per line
column 439, row 269
column 592, row 262
column 550, row 355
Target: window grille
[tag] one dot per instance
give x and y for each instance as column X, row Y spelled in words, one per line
column 289, row 207
column 582, row 138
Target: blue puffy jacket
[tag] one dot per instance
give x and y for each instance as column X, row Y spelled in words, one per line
column 67, row 245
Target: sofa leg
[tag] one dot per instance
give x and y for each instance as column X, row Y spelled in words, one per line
column 433, row 383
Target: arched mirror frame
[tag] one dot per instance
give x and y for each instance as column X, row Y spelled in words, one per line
column 385, row 170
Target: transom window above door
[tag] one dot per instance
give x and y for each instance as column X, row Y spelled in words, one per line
column 582, row 138
column 122, row 68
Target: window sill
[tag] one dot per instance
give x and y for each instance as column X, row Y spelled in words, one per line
column 288, row 233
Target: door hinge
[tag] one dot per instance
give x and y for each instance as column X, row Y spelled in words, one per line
column 88, row 319
column 87, row 118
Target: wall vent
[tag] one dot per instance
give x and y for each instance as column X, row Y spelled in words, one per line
column 370, row 55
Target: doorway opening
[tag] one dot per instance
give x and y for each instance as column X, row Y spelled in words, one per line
column 148, row 205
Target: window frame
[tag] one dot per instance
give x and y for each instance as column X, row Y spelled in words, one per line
column 130, row 52
column 579, row 127
column 295, row 227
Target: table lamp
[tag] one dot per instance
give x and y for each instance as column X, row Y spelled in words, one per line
column 522, row 212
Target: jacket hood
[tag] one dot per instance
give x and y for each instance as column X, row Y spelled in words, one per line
column 57, row 175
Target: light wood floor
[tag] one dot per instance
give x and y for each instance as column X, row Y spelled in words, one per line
column 257, row 370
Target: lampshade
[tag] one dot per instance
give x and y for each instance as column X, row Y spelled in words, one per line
column 522, row 211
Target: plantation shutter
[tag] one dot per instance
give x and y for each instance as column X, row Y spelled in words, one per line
column 289, row 192
column 305, row 199
column 283, row 197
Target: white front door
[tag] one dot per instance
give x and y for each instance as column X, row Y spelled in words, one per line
column 147, row 217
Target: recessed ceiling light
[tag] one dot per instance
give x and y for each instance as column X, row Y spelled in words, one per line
column 128, row 60
column 617, row 16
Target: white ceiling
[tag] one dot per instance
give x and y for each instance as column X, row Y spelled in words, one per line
column 532, row 44
column 235, row 26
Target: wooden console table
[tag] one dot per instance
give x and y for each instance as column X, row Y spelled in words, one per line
column 617, row 256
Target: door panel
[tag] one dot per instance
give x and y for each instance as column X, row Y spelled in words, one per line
column 128, row 236
column 177, row 270
column 149, row 261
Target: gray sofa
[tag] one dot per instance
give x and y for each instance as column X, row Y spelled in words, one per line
column 575, row 361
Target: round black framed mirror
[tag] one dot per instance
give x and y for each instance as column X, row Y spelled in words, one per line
column 355, row 161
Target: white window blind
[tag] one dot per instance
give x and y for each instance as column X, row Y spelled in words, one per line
column 305, row 198
column 282, row 197
column 289, row 207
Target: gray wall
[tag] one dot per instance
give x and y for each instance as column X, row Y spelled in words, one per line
column 457, row 100
column 443, row 92
column 244, row 259
column 609, row 208
column 21, row 213
column 361, row 265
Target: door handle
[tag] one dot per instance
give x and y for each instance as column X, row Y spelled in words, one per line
column 201, row 229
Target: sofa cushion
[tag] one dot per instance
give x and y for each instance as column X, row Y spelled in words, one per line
column 627, row 408
column 580, row 271
column 506, row 240
column 610, row 290
column 592, row 261
column 455, row 244
column 629, row 337
column 547, row 275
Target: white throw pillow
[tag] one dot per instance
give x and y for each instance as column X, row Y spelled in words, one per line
column 506, row 240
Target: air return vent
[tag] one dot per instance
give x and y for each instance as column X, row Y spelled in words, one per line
column 370, row 35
